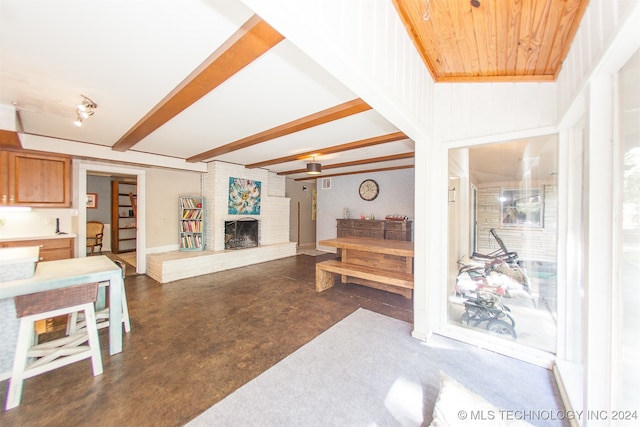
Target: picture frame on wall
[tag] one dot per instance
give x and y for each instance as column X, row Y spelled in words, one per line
column 244, row 196
column 92, row 201
column 522, row 208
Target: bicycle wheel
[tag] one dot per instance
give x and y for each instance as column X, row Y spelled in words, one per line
column 501, row 328
column 505, row 317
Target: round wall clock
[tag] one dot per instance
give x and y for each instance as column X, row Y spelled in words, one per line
column 369, row 190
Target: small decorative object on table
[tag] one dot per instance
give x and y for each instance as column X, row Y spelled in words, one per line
column 346, row 213
column 396, row 217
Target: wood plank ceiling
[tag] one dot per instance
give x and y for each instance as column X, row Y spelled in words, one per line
column 492, row 40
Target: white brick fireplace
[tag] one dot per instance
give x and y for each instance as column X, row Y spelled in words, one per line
column 274, row 211
column 273, row 227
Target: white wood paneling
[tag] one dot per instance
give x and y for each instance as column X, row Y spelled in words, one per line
column 471, row 110
column 601, row 21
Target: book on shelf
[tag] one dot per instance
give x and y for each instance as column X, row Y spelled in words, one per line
column 192, row 226
column 191, row 241
column 192, row 214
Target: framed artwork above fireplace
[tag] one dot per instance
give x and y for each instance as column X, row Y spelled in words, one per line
column 244, row 196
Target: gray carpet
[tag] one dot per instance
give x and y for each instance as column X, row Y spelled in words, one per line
column 368, row 371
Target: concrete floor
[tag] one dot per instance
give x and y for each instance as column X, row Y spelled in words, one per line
column 195, row 341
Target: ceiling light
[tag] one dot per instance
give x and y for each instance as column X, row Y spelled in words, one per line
column 314, row 168
column 84, row 110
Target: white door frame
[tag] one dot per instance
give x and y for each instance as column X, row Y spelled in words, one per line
column 83, row 168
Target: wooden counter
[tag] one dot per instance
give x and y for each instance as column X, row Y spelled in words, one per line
column 378, row 263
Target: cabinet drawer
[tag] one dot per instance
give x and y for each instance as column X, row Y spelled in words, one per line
column 369, row 225
column 44, row 244
column 50, row 249
column 345, row 223
column 55, row 254
column 398, row 226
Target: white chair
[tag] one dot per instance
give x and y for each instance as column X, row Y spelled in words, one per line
column 31, row 360
column 77, row 321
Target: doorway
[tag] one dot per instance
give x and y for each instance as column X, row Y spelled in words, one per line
column 86, row 169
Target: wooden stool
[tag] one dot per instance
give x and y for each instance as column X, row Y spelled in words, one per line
column 54, row 354
column 77, row 322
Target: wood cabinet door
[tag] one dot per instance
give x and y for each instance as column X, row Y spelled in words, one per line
column 39, row 180
column 4, row 178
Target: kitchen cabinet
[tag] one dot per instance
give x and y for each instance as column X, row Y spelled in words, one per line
column 29, row 178
column 50, row 249
column 123, row 216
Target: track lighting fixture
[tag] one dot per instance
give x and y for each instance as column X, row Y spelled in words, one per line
column 84, row 110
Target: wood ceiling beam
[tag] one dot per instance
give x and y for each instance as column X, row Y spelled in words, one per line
column 383, row 139
column 325, row 116
column 356, row 172
column 247, row 44
column 356, row 162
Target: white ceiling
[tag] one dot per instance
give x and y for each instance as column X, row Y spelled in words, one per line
column 127, row 56
column 130, row 56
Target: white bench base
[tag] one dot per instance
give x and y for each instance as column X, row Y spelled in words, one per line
column 167, row 267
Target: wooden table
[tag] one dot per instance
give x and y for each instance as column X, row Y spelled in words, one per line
column 378, row 263
column 75, row 271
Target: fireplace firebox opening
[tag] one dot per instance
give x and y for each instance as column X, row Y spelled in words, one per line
column 241, row 233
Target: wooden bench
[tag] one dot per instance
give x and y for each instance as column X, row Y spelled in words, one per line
column 391, row 281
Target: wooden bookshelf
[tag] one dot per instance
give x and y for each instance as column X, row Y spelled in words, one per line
column 124, row 229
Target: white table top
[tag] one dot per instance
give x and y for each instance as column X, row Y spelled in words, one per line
column 61, row 273
column 22, row 254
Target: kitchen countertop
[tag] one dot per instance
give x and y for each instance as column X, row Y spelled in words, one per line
column 45, row 237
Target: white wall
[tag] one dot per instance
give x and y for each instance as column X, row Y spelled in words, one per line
column 163, row 189
column 396, row 196
column 471, row 110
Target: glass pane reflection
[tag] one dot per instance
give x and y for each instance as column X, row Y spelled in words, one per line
column 503, row 240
